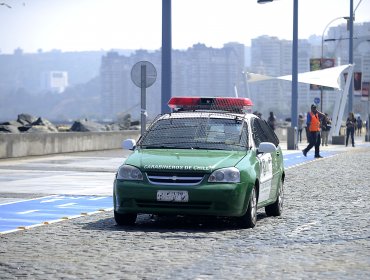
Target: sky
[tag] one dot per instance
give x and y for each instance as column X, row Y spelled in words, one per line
column 89, row 25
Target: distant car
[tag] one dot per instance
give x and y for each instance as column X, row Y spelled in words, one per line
column 208, row 157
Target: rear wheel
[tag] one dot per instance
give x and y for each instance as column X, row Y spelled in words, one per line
column 127, row 219
column 276, row 209
column 249, row 219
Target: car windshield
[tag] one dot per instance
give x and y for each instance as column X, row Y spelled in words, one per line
column 197, row 133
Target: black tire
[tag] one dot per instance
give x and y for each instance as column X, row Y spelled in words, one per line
column 127, row 219
column 249, row 219
column 276, row 209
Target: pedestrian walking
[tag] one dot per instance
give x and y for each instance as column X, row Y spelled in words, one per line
column 300, row 127
column 272, row 121
column 325, row 129
column 313, row 126
column 350, row 125
column 359, row 126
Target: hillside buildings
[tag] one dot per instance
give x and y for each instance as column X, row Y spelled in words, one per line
column 55, row 81
column 104, row 79
column 205, row 71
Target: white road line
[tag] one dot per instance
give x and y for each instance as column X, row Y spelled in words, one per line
column 27, row 212
column 97, row 198
column 24, row 200
column 53, row 199
column 66, row 205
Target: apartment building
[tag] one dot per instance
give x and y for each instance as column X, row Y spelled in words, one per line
column 197, row 71
column 273, row 57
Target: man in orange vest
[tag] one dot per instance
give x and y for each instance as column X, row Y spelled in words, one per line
column 313, row 127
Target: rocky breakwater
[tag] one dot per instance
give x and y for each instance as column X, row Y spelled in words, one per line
column 27, row 123
column 31, row 136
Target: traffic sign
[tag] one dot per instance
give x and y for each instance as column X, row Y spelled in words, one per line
column 316, row 100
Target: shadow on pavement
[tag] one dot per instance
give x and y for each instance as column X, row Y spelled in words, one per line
column 154, row 223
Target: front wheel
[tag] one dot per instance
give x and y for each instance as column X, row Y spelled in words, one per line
column 127, row 219
column 276, row 209
column 249, row 219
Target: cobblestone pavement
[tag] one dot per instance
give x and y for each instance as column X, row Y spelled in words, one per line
column 324, row 233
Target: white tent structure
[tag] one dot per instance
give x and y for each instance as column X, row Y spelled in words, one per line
column 329, row 77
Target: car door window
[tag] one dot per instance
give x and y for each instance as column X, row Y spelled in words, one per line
column 262, row 132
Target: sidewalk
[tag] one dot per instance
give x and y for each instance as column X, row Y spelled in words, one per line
column 359, row 142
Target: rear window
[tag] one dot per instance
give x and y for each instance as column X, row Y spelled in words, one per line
column 196, row 133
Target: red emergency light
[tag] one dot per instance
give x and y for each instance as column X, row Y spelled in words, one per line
column 234, row 104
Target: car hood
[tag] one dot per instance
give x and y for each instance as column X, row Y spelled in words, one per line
column 184, row 160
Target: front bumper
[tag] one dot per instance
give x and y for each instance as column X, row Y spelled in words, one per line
column 216, row 199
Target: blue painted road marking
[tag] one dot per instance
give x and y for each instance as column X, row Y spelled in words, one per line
column 47, row 209
column 296, row 158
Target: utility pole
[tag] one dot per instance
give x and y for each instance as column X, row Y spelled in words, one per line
column 166, row 56
column 350, row 60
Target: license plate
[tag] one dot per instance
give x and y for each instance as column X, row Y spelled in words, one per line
column 176, row 196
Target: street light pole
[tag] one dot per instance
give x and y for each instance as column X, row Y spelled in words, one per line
column 350, row 93
column 166, row 55
column 294, row 116
column 322, row 56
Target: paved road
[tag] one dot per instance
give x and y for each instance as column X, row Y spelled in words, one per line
column 74, row 184
column 324, row 232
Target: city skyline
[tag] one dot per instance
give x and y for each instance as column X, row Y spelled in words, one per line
column 87, row 25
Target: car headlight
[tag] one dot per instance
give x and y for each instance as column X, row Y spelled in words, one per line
column 225, row 175
column 128, row 172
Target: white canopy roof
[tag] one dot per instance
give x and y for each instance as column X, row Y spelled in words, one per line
column 329, row 77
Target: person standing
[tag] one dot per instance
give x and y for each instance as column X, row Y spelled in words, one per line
column 350, row 125
column 313, row 126
column 325, row 129
column 359, row 126
column 272, row 121
column 300, row 127
column 357, row 80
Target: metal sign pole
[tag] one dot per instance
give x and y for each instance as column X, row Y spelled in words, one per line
column 143, row 99
column 143, row 74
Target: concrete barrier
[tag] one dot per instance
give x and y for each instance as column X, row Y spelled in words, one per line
column 35, row 144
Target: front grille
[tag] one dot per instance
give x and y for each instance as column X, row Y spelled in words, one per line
column 173, row 179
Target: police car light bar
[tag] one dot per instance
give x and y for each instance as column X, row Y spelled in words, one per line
column 235, row 104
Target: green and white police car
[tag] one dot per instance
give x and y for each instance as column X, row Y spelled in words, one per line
column 209, row 156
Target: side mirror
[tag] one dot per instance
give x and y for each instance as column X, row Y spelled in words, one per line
column 266, row 147
column 128, row 144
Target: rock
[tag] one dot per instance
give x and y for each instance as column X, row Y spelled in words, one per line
column 87, row 126
column 8, row 129
column 124, row 121
column 45, row 123
column 135, row 123
column 14, row 123
column 25, row 119
column 24, row 128
column 112, row 127
column 39, row 129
